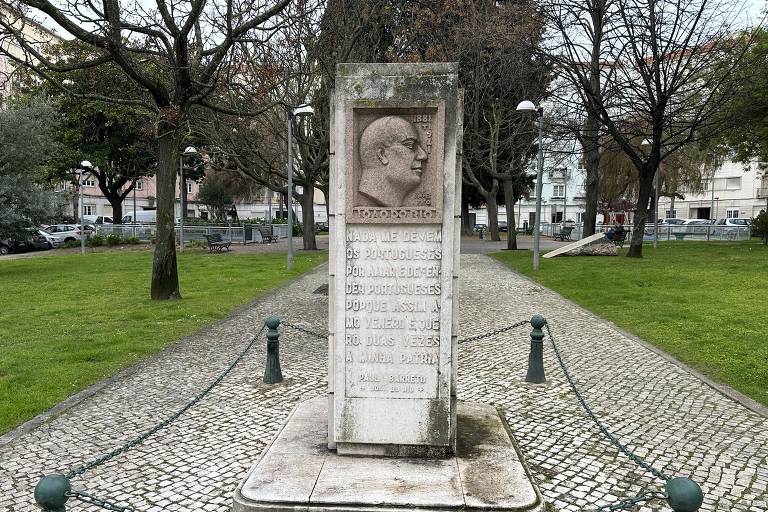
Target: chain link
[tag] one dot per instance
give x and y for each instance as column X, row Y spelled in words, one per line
column 94, row 500
column 140, row 439
column 631, row 502
column 462, row 340
column 304, row 330
column 626, row 451
column 494, row 333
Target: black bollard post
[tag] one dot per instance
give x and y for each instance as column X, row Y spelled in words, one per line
column 272, row 373
column 51, row 492
column 536, row 356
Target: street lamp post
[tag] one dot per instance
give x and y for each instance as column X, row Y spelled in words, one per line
column 528, row 106
column 85, row 164
column 189, row 151
column 301, row 110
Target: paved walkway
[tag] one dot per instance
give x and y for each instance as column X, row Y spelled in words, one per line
column 682, row 425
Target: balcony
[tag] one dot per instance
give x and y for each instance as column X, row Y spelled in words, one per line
column 762, row 193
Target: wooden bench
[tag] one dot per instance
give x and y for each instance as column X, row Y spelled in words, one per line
column 266, row 234
column 216, row 243
column 564, row 234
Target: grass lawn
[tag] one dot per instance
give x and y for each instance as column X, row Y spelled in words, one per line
column 70, row 321
column 704, row 303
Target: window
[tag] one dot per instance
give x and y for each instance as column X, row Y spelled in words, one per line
column 732, row 213
column 671, row 214
column 89, row 182
column 732, row 183
column 89, row 209
column 139, row 185
column 189, row 187
column 558, row 191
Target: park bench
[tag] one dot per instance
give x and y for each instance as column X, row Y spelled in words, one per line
column 618, row 239
column 564, row 234
column 216, row 243
column 266, row 234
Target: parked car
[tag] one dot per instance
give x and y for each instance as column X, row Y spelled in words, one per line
column 734, row 222
column 142, row 217
column 97, row 219
column 67, row 232
column 503, row 226
column 481, row 227
column 35, row 241
column 673, row 221
column 321, row 227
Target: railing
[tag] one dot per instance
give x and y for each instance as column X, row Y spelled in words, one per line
column 670, row 232
column 236, row 234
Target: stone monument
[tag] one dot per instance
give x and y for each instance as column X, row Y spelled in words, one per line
column 391, row 434
column 394, row 222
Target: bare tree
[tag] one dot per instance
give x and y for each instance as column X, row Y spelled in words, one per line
column 174, row 53
column 582, row 33
column 665, row 82
column 494, row 44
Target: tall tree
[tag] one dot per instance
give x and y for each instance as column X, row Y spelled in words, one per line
column 494, row 44
column 667, row 82
column 26, row 132
column 173, row 52
column 582, row 32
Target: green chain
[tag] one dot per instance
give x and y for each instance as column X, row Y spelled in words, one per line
column 140, row 439
column 462, row 340
column 94, row 500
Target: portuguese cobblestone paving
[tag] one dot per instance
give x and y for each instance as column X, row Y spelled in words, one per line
column 677, row 422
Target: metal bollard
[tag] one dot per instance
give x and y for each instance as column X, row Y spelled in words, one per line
column 272, row 373
column 51, row 492
column 536, row 356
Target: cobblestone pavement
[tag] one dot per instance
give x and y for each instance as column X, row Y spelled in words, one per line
column 680, row 424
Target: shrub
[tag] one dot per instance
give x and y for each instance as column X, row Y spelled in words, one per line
column 760, row 226
column 131, row 240
column 72, row 243
column 113, row 239
column 95, row 241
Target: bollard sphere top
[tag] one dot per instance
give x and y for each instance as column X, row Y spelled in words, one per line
column 273, row 321
column 684, row 495
column 51, row 492
column 537, row 321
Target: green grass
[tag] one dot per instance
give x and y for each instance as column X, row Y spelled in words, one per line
column 704, row 303
column 71, row 321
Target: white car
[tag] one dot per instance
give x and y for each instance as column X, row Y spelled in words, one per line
column 54, row 240
column 65, row 232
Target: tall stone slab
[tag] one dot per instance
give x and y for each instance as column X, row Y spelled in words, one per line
column 394, row 259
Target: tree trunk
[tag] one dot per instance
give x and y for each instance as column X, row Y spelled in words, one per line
column 466, row 227
column 165, row 277
column 592, row 179
column 641, row 212
column 117, row 211
column 509, row 200
column 308, row 219
column 493, row 216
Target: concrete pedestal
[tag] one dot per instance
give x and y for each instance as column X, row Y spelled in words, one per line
column 297, row 472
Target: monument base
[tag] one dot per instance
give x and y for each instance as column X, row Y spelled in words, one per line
column 297, row 472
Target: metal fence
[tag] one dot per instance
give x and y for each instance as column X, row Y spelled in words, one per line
column 245, row 234
column 666, row 232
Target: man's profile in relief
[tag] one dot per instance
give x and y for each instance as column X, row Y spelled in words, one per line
column 392, row 160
